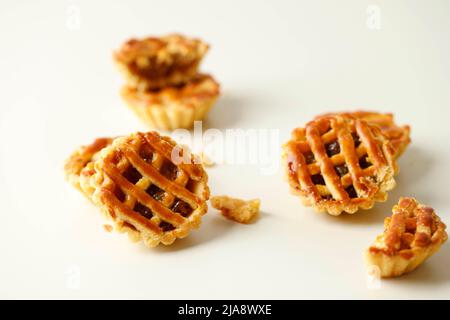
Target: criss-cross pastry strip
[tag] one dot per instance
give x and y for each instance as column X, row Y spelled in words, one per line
column 147, row 195
column 399, row 136
column 153, row 63
column 412, row 234
column 338, row 164
column 79, row 168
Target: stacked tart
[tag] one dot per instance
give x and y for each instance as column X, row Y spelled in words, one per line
column 164, row 87
column 141, row 186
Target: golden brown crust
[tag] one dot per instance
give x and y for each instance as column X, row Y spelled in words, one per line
column 399, row 136
column 412, row 234
column 79, row 168
column 174, row 107
column 146, row 193
column 339, row 164
column 154, row 63
column 236, row 209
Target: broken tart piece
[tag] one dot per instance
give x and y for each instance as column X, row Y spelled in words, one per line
column 174, row 106
column 79, row 168
column 339, row 164
column 236, row 209
column 399, row 136
column 411, row 235
column 156, row 62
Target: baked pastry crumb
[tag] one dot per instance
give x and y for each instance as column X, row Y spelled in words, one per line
column 412, row 234
column 236, row 209
column 108, row 227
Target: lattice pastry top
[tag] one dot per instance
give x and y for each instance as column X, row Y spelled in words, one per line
column 153, row 63
column 147, row 192
column 411, row 235
column 399, row 136
column 338, row 164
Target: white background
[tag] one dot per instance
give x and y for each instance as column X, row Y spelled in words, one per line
column 279, row 63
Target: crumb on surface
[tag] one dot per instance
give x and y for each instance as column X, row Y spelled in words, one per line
column 236, row 209
column 108, row 228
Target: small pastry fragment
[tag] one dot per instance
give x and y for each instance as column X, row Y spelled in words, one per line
column 146, row 192
column 174, row 107
column 79, row 168
column 411, row 235
column 399, row 136
column 236, row 209
column 339, row 164
column 156, row 62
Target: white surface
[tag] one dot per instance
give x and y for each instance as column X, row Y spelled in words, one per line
column 280, row 63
